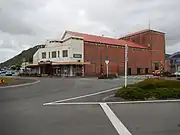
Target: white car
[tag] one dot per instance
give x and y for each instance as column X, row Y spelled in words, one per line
column 177, row 73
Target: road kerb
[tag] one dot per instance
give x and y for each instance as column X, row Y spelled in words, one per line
column 20, row 85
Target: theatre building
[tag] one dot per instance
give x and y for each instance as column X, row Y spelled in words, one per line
column 80, row 54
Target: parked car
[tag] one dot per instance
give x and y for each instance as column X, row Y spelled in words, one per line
column 8, row 73
column 156, row 73
column 2, row 73
column 167, row 74
column 177, row 73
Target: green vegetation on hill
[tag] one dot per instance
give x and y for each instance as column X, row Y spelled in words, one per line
column 167, row 56
column 6, row 79
column 26, row 55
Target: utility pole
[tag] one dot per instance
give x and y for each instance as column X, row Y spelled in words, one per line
column 126, row 62
column 101, row 66
column 149, row 24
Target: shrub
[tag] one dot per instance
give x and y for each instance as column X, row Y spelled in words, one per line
column 162, row 93
column 132, row 93
column 167, row 74
column 158, row 83
column 104, row 76
column 151, row 89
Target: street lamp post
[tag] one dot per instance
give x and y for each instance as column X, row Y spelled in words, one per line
column 101, row 66
column 107, row 68
column 126, row 61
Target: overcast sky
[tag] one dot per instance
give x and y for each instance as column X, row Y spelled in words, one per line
column 25, row 23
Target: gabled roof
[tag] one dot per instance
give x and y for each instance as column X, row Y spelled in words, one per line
column 139, row 32
column 105, row 40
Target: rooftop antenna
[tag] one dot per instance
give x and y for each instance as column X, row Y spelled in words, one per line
column 149, row 24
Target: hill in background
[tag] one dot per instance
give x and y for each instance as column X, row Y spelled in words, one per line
column 167, row 56
column 26, row 55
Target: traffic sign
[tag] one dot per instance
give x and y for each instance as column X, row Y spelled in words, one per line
column 107, row 62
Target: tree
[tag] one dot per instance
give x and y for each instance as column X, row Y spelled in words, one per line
column 13, row 67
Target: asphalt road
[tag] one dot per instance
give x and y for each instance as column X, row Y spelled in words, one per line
column 22, row 111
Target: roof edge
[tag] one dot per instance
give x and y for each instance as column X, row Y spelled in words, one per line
column 140, row 32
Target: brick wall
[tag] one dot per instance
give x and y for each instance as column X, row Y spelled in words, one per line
column 97, row 54
column 153, row 39
column 139, row 59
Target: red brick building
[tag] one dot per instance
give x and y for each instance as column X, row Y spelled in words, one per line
column 85, row 54
column 146, row 52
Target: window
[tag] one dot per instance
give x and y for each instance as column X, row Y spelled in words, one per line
column 113, row 46
column 54, row 54
column 77, row 55
column 65, row 53
column 138, row 71
column 129, row 71
column 146, row 70
column 43, row 55
column 49, row 55
column 156, row 65
column 58, row 54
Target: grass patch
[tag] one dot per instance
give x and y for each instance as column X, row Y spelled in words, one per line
column 6, row 79
column 151, row 89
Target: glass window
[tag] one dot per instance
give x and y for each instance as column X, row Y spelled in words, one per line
column 54, row 54
column 65, row 53
column 58, row 53
column 43, row 55
column 49, row 55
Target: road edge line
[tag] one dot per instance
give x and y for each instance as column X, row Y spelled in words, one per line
column 73, row 103
column 20, row 85
column 149, row 101
column 105, row 98
column 83, row 96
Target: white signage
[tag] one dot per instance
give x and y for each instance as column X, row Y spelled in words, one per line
column 107, row 62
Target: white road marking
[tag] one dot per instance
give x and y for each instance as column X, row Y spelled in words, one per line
column 20, row 85
column 79, row 97
column 118, row 125
column 125, row 102
column 74, row 103
column 104, row 99
column 149, row 101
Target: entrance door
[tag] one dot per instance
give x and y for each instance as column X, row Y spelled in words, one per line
column 129, row 71
column 77, row 70
column 138, row 71
column 146, row 70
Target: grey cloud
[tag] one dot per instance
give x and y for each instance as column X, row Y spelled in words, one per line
column 13, row 14
column 30, row 22
column 12, row 25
